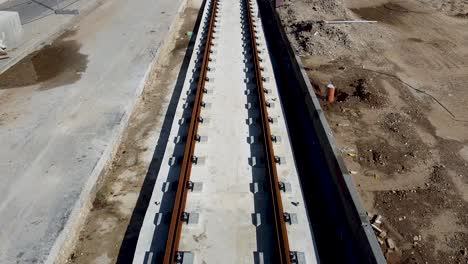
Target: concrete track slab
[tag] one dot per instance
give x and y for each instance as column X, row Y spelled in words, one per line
column 57, row 133
column 226, row 231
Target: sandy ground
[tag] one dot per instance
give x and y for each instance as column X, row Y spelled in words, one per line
column 400, row 116
column 111, row 229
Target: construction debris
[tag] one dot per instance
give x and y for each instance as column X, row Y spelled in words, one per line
column 3, row 47
column 380, row 241
column 377, row 219
column 383, row 234
column 390, row 243
column 331, row 93
column 376, row 228
column 348, row 21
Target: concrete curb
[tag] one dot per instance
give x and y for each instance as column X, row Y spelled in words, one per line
column 65, row 242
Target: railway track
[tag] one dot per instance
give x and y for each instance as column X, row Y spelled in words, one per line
column 228, row 190
column 184, row 184
column 281, row 251
column 231, row 63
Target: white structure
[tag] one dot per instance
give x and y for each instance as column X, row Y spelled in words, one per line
column 11, row 30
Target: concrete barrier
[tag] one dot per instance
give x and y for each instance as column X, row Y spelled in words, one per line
column 11, row 30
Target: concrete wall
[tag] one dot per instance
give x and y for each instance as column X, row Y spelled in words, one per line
column 11, row 30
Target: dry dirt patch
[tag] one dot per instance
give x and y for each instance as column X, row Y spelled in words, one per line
column 400, row 115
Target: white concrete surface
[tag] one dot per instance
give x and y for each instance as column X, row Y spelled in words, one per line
column 225, row 232
column 57, row 135
column 11, row 31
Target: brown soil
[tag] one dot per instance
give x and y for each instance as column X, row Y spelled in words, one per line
column 400, row 114
column 107, row 229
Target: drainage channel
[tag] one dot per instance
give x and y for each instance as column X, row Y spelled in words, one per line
column 228, row 190
column 342, row 230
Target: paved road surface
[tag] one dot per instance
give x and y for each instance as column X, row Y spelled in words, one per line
column 32, row 10
column 58, row 124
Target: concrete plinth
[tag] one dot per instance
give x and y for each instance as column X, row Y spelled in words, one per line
column 11, row 30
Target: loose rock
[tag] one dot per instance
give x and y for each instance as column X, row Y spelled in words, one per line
column 390, row 243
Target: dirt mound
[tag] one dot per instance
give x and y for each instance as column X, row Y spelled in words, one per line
column 398, row 83
column 379, row 154
column 417, row 215
column 369, row 93
column 455, row 8
column 313, row 36
column 355, row 88
column 363, row 90
column 400, row 152
column 401, row 128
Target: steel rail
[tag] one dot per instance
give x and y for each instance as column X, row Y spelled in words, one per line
column 175, row 228
column 282, row 250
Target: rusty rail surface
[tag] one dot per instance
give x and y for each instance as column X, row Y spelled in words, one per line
column 281, row 249
column 175, row 228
